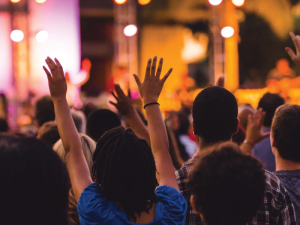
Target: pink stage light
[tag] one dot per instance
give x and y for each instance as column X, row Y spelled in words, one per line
column 42, row 36
column 130, row 30
column 17, row 35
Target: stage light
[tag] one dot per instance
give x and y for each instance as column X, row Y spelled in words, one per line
column 238, row 2
column 40, row 1
column 17, row 35
column 120, row 2
column 215, row 2
column 144, row 2
column 42, row 36
column 130, row 30
column 15, row 1
column 227, row 32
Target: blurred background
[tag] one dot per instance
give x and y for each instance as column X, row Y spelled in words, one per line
column 100, row 43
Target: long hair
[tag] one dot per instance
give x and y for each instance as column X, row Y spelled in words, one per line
column 124, row 170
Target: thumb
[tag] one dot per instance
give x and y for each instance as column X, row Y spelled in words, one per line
column 137, row 80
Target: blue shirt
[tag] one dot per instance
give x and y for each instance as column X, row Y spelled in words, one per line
column 94, row 208
column 263, row 151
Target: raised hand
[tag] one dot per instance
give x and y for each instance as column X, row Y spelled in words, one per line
column 294, row 57
column 254, row 127
column 56, row 79
column 151, row 88
column 124, row 103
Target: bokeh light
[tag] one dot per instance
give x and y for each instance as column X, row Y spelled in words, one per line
column 227, row 32
column 17, row 35
column 144, row 2
column 40, row 1
column 130, row 30
column 15, row 1
column 238, row 2
column 215, row 2
column 120, row 1
column 42, row 36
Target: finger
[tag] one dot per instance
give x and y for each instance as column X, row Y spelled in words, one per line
column 51, row 65
column 129, row 93
column 60, row 69
column 137, row 80
column 147, row 74
column 114, row 104
column 167, row 75
column 159, row 68
column 47, row 73
column 153, row 67
column 296, row 43
column 119, row 91
column 113, row 94
column 290, row 52
column 51, row 62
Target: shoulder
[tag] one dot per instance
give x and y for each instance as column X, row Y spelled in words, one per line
column 93, row 206
column 174, row 204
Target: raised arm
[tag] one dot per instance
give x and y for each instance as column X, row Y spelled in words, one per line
column 150, row 90
column 76, row 163
column 294, row 57
column 125, row 106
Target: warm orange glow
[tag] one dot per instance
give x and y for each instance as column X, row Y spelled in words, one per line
column 215, row 2
column 15, row 1
column 40, row 1
column 120, row 1
column 144, row 2
column 238, row 2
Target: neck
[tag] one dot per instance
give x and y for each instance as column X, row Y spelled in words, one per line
column 286, row 165
column 202, row 144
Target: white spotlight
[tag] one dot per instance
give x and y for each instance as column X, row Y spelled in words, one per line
column 227, row 32
column 215, row 2
column 130, row 30
column 42, row 36
column 17, row 35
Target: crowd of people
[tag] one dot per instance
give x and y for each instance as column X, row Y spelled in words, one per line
column 214, row 164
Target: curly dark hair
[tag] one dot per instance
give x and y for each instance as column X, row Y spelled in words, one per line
column 124, row 170
column 228, row 186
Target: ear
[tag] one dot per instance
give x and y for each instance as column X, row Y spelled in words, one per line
column 273, row 143
column 195, row 130
column 237, row 124
column 192, row 200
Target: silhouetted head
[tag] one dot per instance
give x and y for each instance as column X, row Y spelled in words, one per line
column 44, row 110
column 100, row 121
column 215, row 115
column 285, row 132
column 34, row 183
column 269, row 103
column 124, row 170
column 3, row 125
column 227, row 186
column 48, row 133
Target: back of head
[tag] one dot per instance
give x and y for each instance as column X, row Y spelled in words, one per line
column 34, row 181
column 124, row 170
column 100, row 121
column 3, row 125
column 269, row 103
column 48, row 133
column 79, row 120
column 227, row 186
column 215, row 114
column 44, row 110
column 286, row 131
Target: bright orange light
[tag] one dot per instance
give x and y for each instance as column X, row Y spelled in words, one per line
column 227, row 32
column 130, row 30
column 215, row 2
column 120, row 1
column 40, row 1
column 144, row 2
column 15, row 1
column 238, row 2
column 17, row 35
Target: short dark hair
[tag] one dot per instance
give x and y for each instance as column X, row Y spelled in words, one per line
column 44, row 110
column 124, row 170
column 286, row 131
column 34, row 179
column 100, row 121
column 48, row 133
column 228, row 186
column 269, row 103
column 215, row 114
column 3, row 125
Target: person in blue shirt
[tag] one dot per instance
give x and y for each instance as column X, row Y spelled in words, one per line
column 126, row 171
